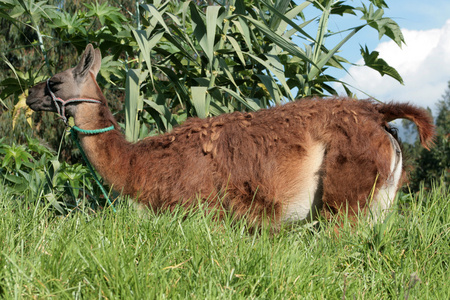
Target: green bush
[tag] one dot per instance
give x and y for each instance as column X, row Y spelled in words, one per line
column 32, row 171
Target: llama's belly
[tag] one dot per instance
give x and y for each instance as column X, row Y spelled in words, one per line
column 385, row 196
column 306, row 198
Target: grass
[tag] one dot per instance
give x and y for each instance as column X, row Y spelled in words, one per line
column 177, row 255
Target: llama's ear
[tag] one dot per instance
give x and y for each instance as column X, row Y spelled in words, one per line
column 97, row 62
column 90, row 61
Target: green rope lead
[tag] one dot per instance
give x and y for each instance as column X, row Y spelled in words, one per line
column 95, row 131
column 75, row 139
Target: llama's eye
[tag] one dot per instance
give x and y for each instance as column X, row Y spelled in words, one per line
column 53, row 84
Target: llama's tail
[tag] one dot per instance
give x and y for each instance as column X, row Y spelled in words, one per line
column 419, row 116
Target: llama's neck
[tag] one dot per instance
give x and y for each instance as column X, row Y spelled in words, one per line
column 108, row 152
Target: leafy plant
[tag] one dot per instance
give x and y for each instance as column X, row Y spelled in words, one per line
column 193, row 59
column 202, row 60
column 34, row 171
column 14, row 156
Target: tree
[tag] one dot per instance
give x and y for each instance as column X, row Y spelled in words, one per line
column 431, row 166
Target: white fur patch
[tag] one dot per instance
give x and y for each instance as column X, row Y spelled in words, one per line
column 305, row 204
column 386, row 194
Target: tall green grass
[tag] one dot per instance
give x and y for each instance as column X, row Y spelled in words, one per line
column 127, row 255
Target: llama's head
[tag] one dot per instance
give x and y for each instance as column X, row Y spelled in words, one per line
column 66, row 90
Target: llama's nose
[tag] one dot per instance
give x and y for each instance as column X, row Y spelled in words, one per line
column 31, row 95
column 33, row 92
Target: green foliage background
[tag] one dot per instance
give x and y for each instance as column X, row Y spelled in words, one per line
column 178, row 59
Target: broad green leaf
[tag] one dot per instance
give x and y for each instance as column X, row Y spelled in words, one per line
column 280, row 6
column 155, row 13
column 315, row 69
column 255, row 104
column 271, row 87
column 242, row 27
column 390, row 28
column 287, row 45
column 199, row 101
column 384, row 26
column 321, row 31
column 154, row 40
column 133, row 103
column 237, row 48
column 249, row 104
column 276, row 68
column 111, row 67
column 215, row 109
column 173, row 18
column 146, row 45
column 15, row 82
column 212, row 13
column 161, row 114
column 372, row 60
column 51, row 198
column 379, row 3
column 141, row 38
column 15, row 179
column 200, row 31
column 339, row 8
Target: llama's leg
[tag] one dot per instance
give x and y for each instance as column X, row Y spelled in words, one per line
column 385, row 196
column 354, row 173
column 303, row 198
column 346, row 189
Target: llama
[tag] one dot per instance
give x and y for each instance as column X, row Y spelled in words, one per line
column 281, row 164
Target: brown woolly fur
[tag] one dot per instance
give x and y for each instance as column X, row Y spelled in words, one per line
column 421, row 118
column 281, row 162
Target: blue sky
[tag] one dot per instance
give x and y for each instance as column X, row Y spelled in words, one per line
column 409, row 14
column 424, row 62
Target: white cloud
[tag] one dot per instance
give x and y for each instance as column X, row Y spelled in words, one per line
column 424, row 64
